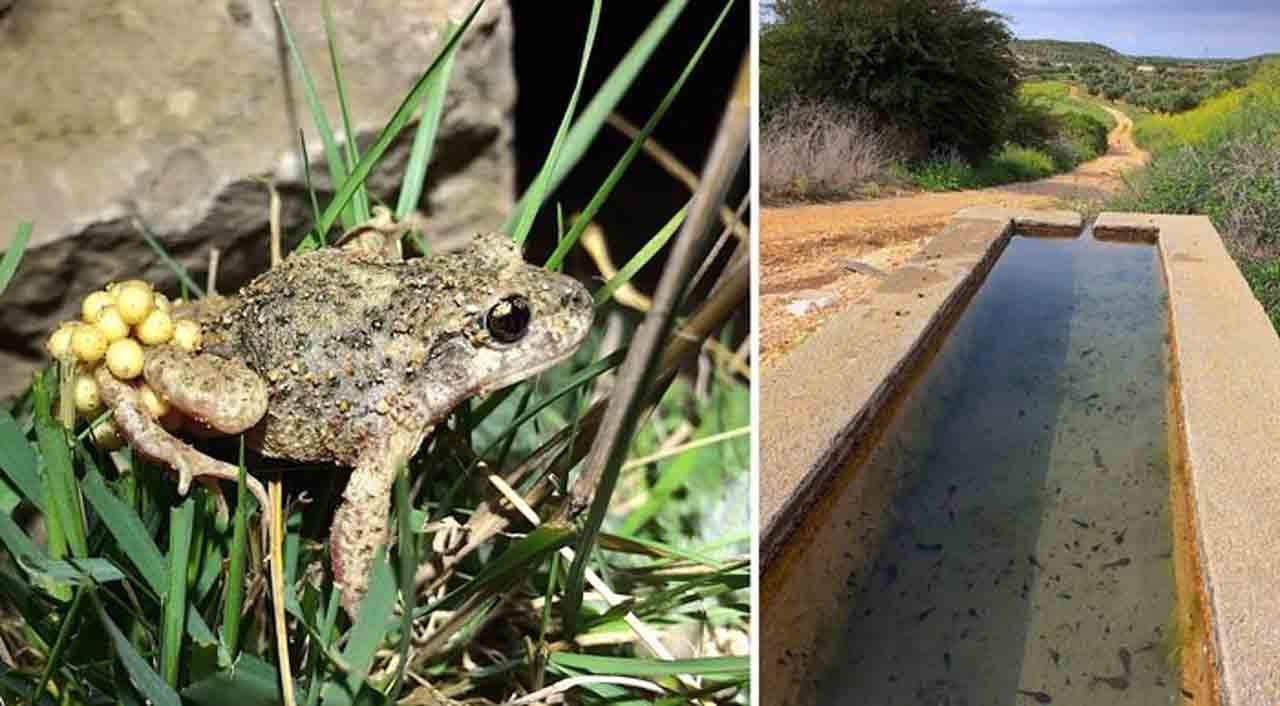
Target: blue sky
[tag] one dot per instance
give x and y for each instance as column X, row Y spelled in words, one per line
column 1189, row 28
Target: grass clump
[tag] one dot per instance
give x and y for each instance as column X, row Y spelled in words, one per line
column 1013, row 163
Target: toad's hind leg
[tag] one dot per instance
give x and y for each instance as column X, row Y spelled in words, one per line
column 222, row 394
column 360, row 523
column 152, row 441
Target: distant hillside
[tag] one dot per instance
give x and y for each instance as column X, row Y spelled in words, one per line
column 1061, row 51
column 1155, row 83
column 1068, row 52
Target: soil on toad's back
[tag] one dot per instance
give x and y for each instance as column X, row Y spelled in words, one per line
column 815, row 252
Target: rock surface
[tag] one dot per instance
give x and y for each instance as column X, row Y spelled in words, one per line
column 177, row 115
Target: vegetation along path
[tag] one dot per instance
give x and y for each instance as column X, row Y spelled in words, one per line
column 815, row 259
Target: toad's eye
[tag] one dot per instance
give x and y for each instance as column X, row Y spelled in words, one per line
column 508, row 320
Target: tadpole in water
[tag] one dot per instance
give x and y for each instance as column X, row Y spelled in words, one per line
column 1039, row 696
column 1119, row 683
column 1120, row 535
column 1124, row 561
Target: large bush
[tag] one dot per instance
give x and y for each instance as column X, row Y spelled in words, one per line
column 943, row 67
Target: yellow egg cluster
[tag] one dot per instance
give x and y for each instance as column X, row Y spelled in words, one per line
column 115, row 324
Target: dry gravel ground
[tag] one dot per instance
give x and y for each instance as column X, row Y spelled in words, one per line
column 817, row 253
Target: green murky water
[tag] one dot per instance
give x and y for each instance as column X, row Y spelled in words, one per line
column 1025, row 554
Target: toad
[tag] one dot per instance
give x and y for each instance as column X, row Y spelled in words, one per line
column 352, row 355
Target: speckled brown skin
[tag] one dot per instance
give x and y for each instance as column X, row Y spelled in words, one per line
column 352, row 356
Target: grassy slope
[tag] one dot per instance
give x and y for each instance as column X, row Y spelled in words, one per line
column 1026, row 162
column 1057, row 50
column 1057, row 95
column 1221, row 160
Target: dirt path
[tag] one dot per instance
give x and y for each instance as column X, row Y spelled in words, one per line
column 805, row 251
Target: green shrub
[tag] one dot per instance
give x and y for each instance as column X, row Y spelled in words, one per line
column 1263, row 277
column 1087, row 135
column 1031, row 121
column 945, row 172
column 1013, row 163
column 1016, row 163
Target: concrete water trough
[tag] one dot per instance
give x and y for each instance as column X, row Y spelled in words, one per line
column 1040, row 464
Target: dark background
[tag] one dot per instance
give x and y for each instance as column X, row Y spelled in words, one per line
column 548, row 49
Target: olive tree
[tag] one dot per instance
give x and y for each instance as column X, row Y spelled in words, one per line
column 943, row 67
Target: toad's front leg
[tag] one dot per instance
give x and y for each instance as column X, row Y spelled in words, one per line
column 360, row 524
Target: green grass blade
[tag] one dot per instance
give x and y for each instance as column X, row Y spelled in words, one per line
column 516, row 561
column 141, row 675
column 337, row 165
column 539, row 189
column 397, row 122
column 252, row 682
column 74, row 571
column 181, row 521
column 59, row 646
column 131, row 535
column 235, row 564
column 18, row 460
column 672, row 479
column 619, row 169
column 593, row 117
column 641, row 258
column 367, row 634
column 415, row 174
column 407, row 548
column 359, row 202
column 178, row 270
column 13, row 256
column 64, row 500
column 326, row 630
column 635, row 667
column 321, row 238
column 575, row 381
column 20, row 546
column 133, row 539
column 647, row 547
column 26, row 602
